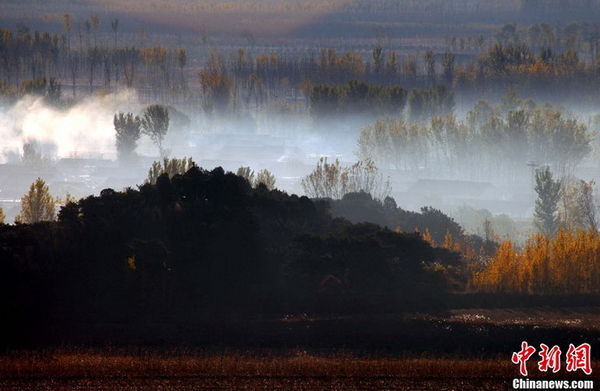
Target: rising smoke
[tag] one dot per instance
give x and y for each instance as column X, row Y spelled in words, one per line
column 82, row 130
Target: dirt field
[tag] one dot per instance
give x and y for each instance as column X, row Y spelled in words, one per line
column 254, row 383
column 294, row 371
column 144, row 369
column 319, row 366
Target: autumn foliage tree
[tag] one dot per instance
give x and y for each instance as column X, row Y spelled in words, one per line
column 37, row 205
column 264, row 177
column 217, row 90
column 171, row 167
column 568, row 263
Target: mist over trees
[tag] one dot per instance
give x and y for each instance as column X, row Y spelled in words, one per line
column 356, row 98
column 437, row 162
column 488, row 142
column 90, row 51
column 155, row 124
column 128, row 131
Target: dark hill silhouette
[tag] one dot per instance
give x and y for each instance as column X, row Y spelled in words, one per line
column 201, row 244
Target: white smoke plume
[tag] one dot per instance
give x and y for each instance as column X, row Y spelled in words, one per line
column 82, row 130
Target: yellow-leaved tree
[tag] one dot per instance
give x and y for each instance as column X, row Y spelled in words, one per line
column 568, row 263
column 170, row 167
column 37, row 205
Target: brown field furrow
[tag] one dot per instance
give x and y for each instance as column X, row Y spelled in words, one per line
column 250, row 383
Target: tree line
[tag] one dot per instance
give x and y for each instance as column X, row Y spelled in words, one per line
column 492, row 140
column 81, row 62
column 39, row 205
column 539, row 63
column 563, row 257
column 190, row 243
column 566, row 264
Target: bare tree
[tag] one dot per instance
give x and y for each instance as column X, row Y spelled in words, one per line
column 95, row 23
column 93, row 60
column 332, row 180
column 430, row 66
column 378, row 58
column 587, row 205
column 365, row 176
column 68, row 24
column 327, row 180
column 448, row 63
column 74, row 67
column 114, row 25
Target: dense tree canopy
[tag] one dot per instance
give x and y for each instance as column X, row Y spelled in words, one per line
column 204, row 241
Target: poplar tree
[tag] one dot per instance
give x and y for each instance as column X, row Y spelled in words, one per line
column 546, row 206
column 128, row 131
column 155, row 124
column 37, row 205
